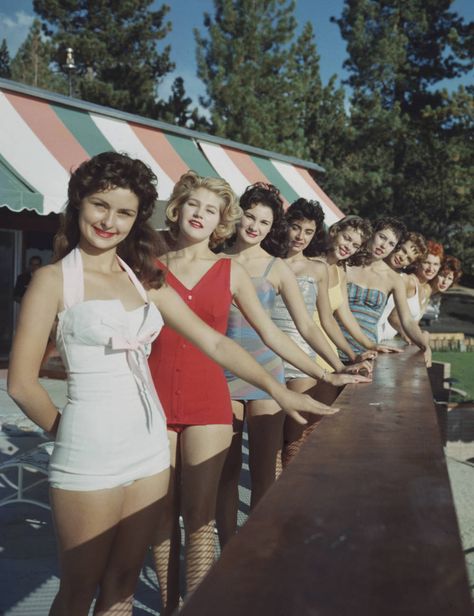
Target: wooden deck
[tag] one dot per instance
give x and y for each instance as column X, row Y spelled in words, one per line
column 362, row 523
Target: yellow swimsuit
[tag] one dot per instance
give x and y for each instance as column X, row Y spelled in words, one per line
column 335, row 301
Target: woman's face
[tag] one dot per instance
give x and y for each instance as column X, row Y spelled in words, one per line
column 200, row 214
column 255, row 224
column 444, row 280
column 300, row 234
column 346, row 243
column 404, row 256
column 107, row 217
column 383, row 242
column 430, row 267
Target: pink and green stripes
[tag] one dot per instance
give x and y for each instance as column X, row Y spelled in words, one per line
column 241, row 168
column 43, row 141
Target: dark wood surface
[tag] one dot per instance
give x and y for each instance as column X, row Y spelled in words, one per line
column 361, row 523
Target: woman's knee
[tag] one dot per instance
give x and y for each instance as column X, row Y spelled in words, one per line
column 74, row 597
column 199, row 514
column 119, row 582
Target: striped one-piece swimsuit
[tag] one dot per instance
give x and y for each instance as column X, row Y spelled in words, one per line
column 367, row 306
column 240, row 330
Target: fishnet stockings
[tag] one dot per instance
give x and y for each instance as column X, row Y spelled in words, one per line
column 200, row 554
column 290, row 449
column 166, row 559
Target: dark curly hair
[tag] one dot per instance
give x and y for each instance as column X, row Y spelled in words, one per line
column 311, row 210
column 276, row 241
column 103, row 172
column 364, row 256
column 356, row 223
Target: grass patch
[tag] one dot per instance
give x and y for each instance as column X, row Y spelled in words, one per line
column 462, row 369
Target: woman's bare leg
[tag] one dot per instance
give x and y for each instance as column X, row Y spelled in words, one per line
column 203, row 452
column 294, row 433
column 167, row 537
column 142, row 511
column 89, row 532
column 228, row 491
column 265, row 422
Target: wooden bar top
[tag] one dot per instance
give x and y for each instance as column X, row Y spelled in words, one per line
column 362, row 523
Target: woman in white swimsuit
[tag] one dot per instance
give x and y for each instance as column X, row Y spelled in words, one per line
column 411, row 251
column 109, row 470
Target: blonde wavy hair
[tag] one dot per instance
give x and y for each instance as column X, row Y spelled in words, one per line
column 230, row 211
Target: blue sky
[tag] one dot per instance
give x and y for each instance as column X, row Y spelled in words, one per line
column 16, row 17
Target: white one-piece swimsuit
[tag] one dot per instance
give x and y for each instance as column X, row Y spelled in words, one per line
column 112, row 430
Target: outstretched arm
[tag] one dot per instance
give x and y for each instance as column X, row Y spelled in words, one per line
column 304, row 322
column 329, row 323
column 420, row 338
column 248, row 302
column 38, row 311
column 348, row 320
column 230, row 355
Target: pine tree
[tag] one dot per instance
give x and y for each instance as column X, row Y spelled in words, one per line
column 405, row 154
column 242, row 62
column 115, row 49
column 32, row 63
column 318, row 109
column 5, row 70
column 177, row 109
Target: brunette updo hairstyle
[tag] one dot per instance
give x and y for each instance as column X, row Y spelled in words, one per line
column 276, row 241
column 364, row 256
column 420, row 244
column 185, row 186
column 101, row 173
column 311, row 210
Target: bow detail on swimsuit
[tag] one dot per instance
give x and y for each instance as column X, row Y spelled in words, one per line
column 119, row 342
column 136, row 349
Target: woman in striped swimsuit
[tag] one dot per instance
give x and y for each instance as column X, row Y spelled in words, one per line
column 370, row 283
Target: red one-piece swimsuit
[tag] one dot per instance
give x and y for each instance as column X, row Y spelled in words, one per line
column 192, row 387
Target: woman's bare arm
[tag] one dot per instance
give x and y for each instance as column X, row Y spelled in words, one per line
column 248, row 302
column 230, row 355
column 328, row 322
column 421, row 339
column 38, row 312
column 348, row 320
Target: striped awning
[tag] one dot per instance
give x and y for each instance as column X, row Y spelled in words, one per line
column 240, row 169
column 44, row 136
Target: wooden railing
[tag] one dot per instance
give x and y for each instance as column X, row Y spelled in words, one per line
column 362, row 523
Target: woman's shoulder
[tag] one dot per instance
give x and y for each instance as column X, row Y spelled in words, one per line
column 49, row 273
column 411, row 282
column 48, row 280
column 319, row 265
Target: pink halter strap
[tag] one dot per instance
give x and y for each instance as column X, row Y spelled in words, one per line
column 73, row 278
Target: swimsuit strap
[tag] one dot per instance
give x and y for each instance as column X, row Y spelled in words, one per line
column 73, row 278
column 269, row 267
column 133, row 277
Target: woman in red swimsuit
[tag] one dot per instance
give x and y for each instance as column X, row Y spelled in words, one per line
column 202, row 212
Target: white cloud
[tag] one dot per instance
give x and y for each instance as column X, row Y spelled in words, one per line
column 14, row 28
